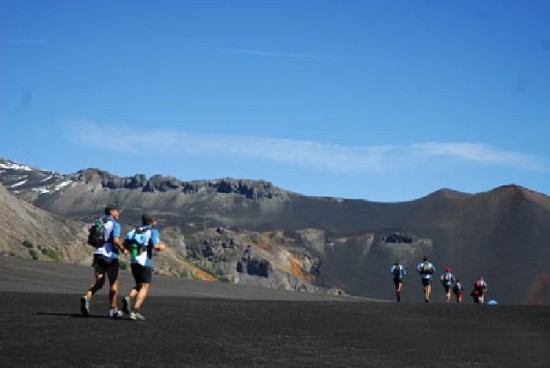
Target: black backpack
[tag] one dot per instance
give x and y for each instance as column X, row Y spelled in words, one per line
column 397, row 271
column 96, row 234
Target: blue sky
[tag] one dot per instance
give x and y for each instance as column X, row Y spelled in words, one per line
column 379, row 100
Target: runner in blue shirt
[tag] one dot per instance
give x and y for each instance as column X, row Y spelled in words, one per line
column 148, row 238
column 426, row 269
column 398, row 271
column 447, row 279
column 106, row 263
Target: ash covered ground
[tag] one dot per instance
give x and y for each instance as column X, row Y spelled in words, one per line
column 199, row 324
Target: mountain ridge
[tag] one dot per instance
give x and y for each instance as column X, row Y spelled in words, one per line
column 339, row 243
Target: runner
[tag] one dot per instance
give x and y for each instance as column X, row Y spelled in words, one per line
column 447, row 279
column 105, row 263
column 480, row 289
column 426, row 269
column 148, row 239
column 458, row 289
column 398, row 271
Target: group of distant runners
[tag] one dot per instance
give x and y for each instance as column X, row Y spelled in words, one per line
column 426, row 270
column 139, row 244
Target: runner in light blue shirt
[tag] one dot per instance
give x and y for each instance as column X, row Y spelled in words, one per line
column 398, row 271
column 146, row 239
column 447, row 279
column 426, row 269
column 106, row 263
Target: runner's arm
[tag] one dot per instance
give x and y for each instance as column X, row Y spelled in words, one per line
column 118, row 243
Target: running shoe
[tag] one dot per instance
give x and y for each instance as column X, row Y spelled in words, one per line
column 135, row 316
column 115, row 313
column 85, row 306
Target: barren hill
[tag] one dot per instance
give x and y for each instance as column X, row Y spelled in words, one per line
column 28, row 231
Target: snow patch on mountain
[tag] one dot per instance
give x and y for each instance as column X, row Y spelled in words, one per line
column 52, row 188
column 9, row 165
column 41, row 190
column 62, row 185
column 18, row 184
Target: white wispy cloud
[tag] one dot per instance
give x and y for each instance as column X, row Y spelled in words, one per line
column 480, row 153
column 321, row 156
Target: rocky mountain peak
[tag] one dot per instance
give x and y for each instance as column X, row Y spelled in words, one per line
column 255, row 190
column 251, row 189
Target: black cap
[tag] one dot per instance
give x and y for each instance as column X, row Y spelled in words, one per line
column 111, row 207
column 147, row 218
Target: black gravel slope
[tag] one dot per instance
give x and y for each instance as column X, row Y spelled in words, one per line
column 215, row 326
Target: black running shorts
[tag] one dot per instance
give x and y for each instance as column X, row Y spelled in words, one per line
column 426, row 282
column 102, row 266
column 142, row 274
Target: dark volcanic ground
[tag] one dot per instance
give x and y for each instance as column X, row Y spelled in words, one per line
column 199, row 324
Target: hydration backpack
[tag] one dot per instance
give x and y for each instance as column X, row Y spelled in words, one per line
column 458, row 288
column 136, row 240
column 426, row 268
column 96, row 234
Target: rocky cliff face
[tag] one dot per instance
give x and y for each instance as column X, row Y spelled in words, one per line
column 254, row 190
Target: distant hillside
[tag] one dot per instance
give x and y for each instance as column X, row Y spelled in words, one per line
column 30, row 232
column 334, row 243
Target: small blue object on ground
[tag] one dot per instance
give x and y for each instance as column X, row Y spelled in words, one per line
column 492, row 302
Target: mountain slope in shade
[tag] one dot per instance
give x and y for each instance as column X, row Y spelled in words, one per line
column 502, row 235
column 30, row 232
